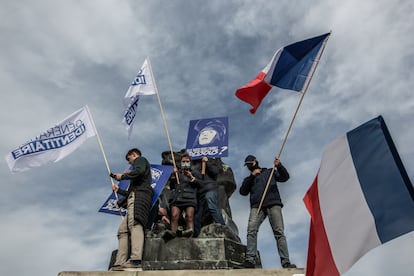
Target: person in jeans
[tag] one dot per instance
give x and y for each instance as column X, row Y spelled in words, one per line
column 207, row 193
column 139, row 198
column 255, row 184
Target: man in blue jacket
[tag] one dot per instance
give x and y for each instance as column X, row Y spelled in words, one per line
column 271, row 207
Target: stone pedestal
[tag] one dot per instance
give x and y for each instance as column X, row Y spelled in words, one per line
column 193, row 253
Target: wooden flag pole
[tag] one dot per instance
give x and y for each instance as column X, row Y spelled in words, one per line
column 303, row 92
column 203, row 167
column 163, row 119
column 104, row 156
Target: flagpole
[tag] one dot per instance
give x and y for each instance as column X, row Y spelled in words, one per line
column 103, row 154
column 303, row 92
column 163, row 118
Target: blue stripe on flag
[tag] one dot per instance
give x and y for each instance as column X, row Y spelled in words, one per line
column 384, row 181
column 295, row 63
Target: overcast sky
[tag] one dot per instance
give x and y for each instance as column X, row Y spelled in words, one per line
column 57, row 56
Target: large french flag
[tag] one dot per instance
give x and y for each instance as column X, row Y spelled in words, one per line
column 290, row 68
column 361, row 198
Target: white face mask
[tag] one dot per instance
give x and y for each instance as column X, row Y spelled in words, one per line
column 185, row 165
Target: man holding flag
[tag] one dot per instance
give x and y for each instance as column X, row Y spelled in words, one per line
column 291, row 67
column 254, row 185
column 139, row 201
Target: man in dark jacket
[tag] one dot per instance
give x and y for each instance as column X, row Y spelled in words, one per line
column 139, row 198
column 271, row 207
column 207, row 193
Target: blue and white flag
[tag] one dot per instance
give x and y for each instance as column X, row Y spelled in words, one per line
column 160, row 175
column 361, row 198
column 208, row 137
column 143, row 84
column 53, row 144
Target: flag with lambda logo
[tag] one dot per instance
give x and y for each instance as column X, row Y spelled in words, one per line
column 143, row 84
column 160, row 175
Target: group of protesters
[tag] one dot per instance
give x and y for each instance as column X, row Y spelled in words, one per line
column 194, row 193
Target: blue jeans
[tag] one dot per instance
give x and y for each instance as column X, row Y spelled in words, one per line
column 208, row 202
column 276, row 221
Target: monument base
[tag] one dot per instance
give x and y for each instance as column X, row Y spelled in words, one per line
column 193, row 253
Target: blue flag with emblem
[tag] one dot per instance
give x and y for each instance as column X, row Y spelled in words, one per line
column 160, row 175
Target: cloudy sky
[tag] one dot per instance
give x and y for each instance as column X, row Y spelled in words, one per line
column 57, row 56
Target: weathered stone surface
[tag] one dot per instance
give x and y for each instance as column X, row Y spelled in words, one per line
column 222, row 272
column 192, row 253
column 215, row 230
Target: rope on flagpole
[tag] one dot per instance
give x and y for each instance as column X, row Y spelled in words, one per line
column 103, row 154
column 163, row 119
column 303, row 92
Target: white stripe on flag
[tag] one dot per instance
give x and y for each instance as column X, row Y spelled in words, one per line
column 350, row 234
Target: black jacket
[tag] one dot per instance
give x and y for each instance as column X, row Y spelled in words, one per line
column 255, row 185
column 208, row 182
column 140, row 177
column 185, row 193
column 140, row 173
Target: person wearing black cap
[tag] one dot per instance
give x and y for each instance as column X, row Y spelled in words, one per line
column 272, row 205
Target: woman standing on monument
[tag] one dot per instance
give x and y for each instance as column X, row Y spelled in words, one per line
column 183, row 198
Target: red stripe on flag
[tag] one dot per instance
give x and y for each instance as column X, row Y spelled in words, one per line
column 320, row 261
column 254, row 92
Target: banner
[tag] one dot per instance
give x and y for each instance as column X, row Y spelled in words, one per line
column 54, row 144
column 143, row 84
column 160, row 175
column 208, row 137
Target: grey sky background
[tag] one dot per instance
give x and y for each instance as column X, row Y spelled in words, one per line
column 57, row 56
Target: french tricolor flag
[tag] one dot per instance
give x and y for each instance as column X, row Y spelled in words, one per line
column 290, row 68
column 361, row 198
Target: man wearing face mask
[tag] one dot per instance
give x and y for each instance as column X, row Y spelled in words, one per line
column 272, row 205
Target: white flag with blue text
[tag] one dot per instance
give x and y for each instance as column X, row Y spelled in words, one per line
column 143, row 84
column 53, row 144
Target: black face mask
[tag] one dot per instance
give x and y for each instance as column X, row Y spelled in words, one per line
column 252, row 167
